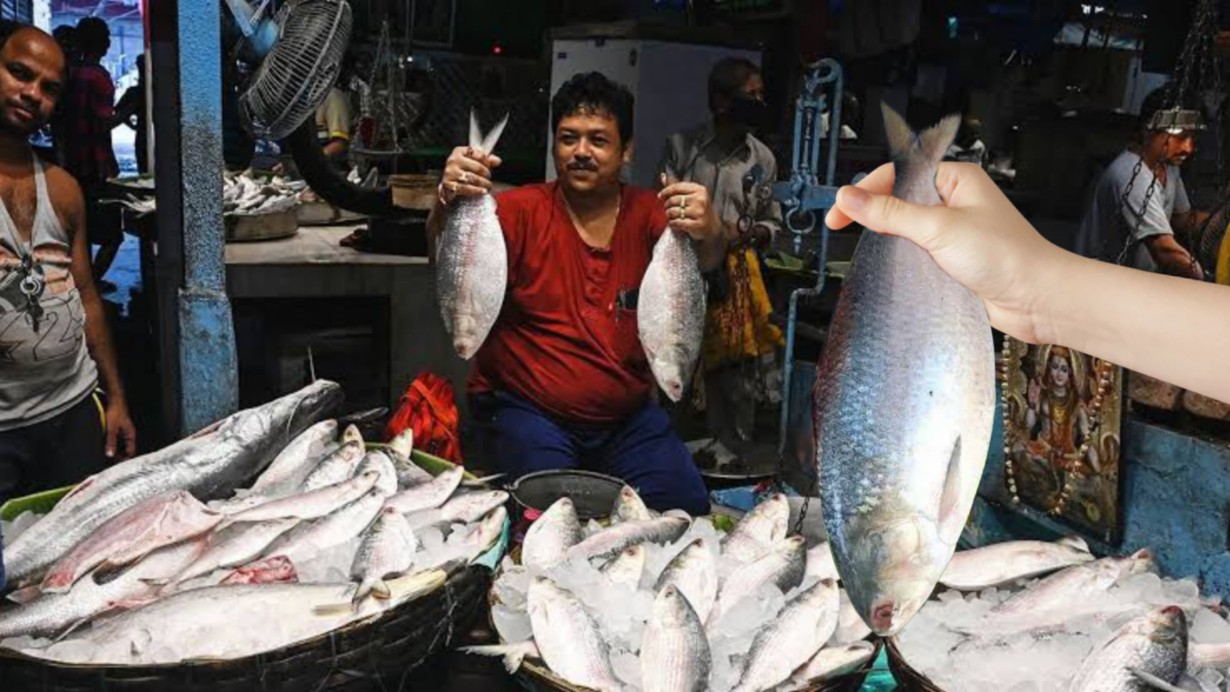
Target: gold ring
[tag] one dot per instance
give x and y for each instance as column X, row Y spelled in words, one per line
column 465, row 176
column 454, row 186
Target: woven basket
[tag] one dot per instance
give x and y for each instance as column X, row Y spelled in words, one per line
column 536, row 675
column 379, row 653
column 908, row 678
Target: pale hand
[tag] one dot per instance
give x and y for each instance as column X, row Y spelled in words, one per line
column 976, row 236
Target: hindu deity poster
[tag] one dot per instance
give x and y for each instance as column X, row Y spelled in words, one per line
column 1062, row 418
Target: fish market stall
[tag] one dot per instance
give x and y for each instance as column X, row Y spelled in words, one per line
column 270, row 548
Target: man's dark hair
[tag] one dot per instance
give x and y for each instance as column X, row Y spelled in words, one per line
column 727, row 78
column 92, row 35
column 592, row 92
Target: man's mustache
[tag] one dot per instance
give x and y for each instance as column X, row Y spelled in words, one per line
column 583, row 166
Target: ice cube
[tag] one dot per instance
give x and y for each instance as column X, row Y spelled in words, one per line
column 1208, row 627
column 512, row 625
column 72, row 651
column 627, row 667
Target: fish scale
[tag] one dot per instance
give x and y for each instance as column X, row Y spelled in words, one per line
column 904, row 405
column 671, row 312
column 1155, row 643
column 472, row 262
column 675, row 655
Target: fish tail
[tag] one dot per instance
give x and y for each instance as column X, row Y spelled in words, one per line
column 912, row 150
column 485, row 144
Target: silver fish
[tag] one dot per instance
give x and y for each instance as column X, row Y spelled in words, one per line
column 614, row 540
column 343, row 524
column 758, row 530
column 627, row 567
column 670, row 312
column 831, row 662
column 629, row 507
column 54, row 613
column 479, row 538
column 783, row 566
column 336, row 467
column 471, row 507
column 429, row 495
column 386, row 478
column 790, row 639
column 472, row 262
column 310, row 505
column 387, row 550
column 551, row 535
column 291, row 466
column 234, row 546
column 568, row 637
column 169, row 630
column 1155, row 643
column 1069, row 587
column 160, row 521
column 1004, row 563
column 904, row 405
column 208, row 464
column 409, row 474
column 694, row 572
column 675, row 654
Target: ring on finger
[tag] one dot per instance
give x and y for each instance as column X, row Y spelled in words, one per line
column 465, row 176
column 683, row 201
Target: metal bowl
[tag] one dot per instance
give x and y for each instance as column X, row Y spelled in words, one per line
column 593, row 494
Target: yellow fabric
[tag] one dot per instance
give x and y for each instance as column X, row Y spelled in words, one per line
column 333, row 116
column 729, row 334
column 1223, row 259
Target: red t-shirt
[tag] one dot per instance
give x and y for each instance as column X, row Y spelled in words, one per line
column 561, row 341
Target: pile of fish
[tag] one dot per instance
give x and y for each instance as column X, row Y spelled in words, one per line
column 666, row 603
column 147, row 561
column 1108, row 624
column 245, row 194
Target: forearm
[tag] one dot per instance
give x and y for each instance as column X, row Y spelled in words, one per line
column 102, row 351
column 1155, row 324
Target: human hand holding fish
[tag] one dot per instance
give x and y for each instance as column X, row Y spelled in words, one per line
column 467, row 173
column 1037, row 292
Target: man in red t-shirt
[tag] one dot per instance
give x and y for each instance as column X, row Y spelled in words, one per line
column 562, row 380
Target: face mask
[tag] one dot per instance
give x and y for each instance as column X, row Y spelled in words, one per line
column 749, row 112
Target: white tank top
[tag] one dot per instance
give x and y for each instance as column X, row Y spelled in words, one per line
column 45, row 367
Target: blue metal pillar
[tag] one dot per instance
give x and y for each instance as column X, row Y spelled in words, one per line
column 197, row 337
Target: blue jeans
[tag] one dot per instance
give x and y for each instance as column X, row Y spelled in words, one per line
column 643, row 450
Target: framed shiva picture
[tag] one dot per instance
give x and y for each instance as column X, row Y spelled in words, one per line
column 1062, row 418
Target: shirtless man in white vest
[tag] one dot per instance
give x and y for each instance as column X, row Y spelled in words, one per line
column 56, row 426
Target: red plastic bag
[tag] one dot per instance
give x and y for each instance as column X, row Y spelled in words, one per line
column 427, row 407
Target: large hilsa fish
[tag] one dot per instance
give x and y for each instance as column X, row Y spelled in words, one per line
column 472, row 262
column 904, row 405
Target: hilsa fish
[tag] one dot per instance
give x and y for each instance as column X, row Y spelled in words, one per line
column 903, row 405
column 670, row 310
column 472, row 261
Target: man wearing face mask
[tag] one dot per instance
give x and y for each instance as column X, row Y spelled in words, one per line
column 724, row 155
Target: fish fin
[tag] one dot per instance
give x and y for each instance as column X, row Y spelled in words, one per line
column 1074, row 541
column 74, row 626
column 493, row 136
column 513, row 654
column 950, row 519
column 1153, row 681
column 928, row 146
column 23, row 596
